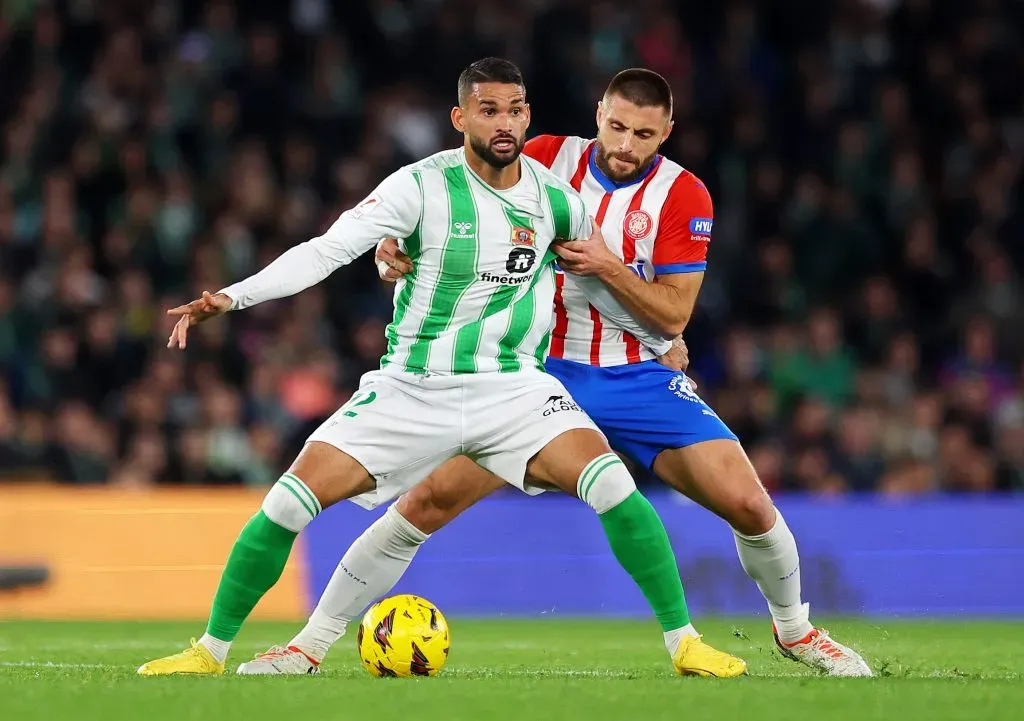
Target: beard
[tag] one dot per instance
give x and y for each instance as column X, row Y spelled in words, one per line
column 497, row 159
column 641, row 164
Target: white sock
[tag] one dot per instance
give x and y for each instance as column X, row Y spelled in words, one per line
column 771, row 559
column 217, row 648
column 673, row 637
column 369, row 569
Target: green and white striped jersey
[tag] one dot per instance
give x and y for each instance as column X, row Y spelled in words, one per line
column 481, row 294
column 480, row 298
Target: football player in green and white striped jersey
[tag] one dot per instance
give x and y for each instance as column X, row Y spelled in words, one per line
column 463, row 372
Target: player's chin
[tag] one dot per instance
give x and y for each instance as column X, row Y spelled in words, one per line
column 503, row 155
column 622, row 170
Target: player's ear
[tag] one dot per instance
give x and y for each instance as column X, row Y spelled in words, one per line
column 668, row 130
column 528, row 113
column 458, row 119
column 600, row 112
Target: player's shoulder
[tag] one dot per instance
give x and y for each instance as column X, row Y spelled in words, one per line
column 438, row 162
column 683, row 185
column 548, row 149
column 546, row 177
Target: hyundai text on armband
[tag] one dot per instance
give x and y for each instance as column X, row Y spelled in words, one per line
column 701, row 227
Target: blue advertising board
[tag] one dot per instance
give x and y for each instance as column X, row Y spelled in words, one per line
column 517, row 556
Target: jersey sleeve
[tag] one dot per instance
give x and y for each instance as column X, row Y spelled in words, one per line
column 582, row 226
column 684, row 228
column 391, row 210
column 544, row 148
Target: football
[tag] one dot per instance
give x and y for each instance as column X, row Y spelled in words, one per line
column 403, row 636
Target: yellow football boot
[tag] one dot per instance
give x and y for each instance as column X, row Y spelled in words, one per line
column 696, row 658
column 195, row 660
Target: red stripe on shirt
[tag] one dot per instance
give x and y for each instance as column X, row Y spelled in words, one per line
column 595, row 338
column 629, row 255
column 581, row 167
column 544, row 148
column 557, row 349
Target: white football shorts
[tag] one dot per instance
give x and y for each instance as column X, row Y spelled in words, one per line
column 401, row 426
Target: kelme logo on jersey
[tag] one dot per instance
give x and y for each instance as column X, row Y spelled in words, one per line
column 701, row 226
column 522, row 236
column 637, row 224
column 462, row 230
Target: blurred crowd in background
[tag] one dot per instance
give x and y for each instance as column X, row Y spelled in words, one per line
column 860, row 325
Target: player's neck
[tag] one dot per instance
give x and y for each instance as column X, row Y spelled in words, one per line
column 497, row 178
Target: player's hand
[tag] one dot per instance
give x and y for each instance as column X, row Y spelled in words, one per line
column 209, row 306
column 392, row 263
column 587, row 257
column 677, row 357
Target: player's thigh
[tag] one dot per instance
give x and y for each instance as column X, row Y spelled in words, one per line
column 330, row 473
column 382, row 430
column 560, row 463
column 518, row 428
column 718, row 475
column 444, row 494
column 645, row 408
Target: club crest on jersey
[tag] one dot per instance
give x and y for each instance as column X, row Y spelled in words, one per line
column 522, row 236
column 637, row 224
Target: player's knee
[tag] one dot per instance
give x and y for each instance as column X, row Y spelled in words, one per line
column 290, row 503
column 426, row 509
column 751, row 513
column 605, row 483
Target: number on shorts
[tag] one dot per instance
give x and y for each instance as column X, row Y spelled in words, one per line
column 359, row 399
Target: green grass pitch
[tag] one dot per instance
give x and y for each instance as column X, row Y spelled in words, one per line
column 551, row 669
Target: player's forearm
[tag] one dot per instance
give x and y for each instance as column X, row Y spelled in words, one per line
column 613, row 312
column 298, row 268
column 659, row 307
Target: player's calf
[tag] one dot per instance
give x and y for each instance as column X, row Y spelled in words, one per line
column 318, row 477
column 580, row 462
column 718, row 475
column 376, row 560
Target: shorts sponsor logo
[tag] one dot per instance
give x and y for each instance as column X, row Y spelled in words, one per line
column 682, row 387
column 557, row 404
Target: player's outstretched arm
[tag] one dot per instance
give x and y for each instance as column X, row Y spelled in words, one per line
column 190, row 314
column 392, row 209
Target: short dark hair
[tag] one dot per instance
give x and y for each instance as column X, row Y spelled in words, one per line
column 642, row 87
column 489, row 70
